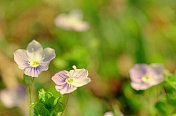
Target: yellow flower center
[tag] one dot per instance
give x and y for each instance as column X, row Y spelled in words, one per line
column 34, row 63
column 69, row 80
column 146, row 78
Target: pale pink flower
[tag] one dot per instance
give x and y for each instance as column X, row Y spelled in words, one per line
column 68, row 81
column 144, row 76
column 72, row 21
column 35, row 59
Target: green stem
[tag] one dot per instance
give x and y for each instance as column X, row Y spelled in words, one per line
column 66, row 104
column 30, row 96
column 165, row 90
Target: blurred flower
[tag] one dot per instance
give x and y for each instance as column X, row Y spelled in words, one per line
column 108, row 113
column 68, row 81
column 34, row 60
column 144, row 76
column 13, row 97
column 72, row 21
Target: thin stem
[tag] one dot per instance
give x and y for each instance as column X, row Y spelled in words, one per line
column 66, row 104
column 30, row 96
column 165, row 90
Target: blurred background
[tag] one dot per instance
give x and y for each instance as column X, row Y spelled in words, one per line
column 121, row 33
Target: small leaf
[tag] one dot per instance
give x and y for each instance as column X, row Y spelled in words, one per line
column 49, row 104
column 42, row 94
column 40, row 110
column 171, row 98
column 59, row 107
column 163, row 108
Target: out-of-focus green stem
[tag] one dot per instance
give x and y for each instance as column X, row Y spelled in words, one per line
column 30, row 96
column 66, row 104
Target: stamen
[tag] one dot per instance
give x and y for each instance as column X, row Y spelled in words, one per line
column 70, row 80
column 74, row 67
column 146, row 78
column 34, row 63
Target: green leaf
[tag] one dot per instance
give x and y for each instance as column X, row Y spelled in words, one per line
column 171, row 98
column 59, row 106
column 42, row 94
column 170, row 79
column 40, row 110
column 163, row 108
column 49, row 104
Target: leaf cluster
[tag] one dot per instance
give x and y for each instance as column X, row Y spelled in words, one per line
column 48, row 105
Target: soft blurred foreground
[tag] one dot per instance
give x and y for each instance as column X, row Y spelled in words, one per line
column 107, row 38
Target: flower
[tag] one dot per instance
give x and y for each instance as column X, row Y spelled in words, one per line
column 72, row 21
column 68, row 81
column 34, row 60
column 13, row 97
column 108, row 113
column 144, row 76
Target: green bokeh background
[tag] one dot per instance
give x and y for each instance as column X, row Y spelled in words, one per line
column 121, row 34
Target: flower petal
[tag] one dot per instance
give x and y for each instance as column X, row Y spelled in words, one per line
column 48, row 54
column 59, row 78
column 78, row 73
column 61, row 21
column 139, row 86
column 7, row 98
column 81, row 81
column 59, row 87
column 67, row 89
column 32, row 71
column 35, row 51
column 21, row 58
column 138, row 71
column 43, row 66
column 110, row 113
column 157, row 68
column 156, row 71
column 81, row 26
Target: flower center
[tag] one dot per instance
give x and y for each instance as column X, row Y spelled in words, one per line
column 146, row 78
column 34, row 63
column 69, row 80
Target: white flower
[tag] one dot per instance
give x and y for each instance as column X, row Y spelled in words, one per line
column 144, row 76
column 34, row 60
column 13, row 97
column 68, row 81
column 72, row 21
column 109, row 113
